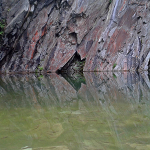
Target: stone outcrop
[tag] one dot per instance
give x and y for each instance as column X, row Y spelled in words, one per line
column 44, row 35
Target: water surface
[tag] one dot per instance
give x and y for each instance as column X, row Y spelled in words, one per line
column 100, row 111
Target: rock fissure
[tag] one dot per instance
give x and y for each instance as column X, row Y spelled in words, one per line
column 149, row 66
column 74, row 66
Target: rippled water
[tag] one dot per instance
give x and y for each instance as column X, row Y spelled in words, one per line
column 100, row 111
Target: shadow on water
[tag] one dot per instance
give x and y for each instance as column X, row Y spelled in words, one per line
column 95, row 111
column 75, row 80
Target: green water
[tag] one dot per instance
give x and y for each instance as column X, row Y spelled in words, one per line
column 106, row 113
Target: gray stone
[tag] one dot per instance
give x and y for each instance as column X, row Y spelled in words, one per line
column 48, row 33
column 17, row 15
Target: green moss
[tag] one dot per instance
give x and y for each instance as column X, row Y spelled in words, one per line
column 2, row 27
column 40, row 77
column 1, row 32
column 95, row 69
column 114, row 65
column 114, row 76
column 40, row 68
column 2, row 24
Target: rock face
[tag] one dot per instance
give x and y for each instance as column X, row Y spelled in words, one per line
column 46, row 34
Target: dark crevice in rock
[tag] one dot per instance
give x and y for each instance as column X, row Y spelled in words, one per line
column 74, row 36
column 74, row 16
column 59, row 31
column 149, row 67
column 108, row 5
column 74, row 65
column 149, row 76
column 7, row 57
column 140, row 44
column 57, row 35
column 73, row 71
column 139, row 17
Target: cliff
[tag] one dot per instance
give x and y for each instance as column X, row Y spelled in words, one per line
column 45, row 35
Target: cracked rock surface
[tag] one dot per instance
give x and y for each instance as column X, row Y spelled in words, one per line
column 45, row 34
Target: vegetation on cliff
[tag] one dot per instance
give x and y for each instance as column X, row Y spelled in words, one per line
column 2, row 27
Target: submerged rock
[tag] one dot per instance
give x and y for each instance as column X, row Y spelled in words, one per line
column 110, row 35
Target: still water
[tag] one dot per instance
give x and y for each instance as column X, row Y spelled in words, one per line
column 100, row 111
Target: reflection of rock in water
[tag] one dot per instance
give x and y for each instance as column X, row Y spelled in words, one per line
column 75, row 80
column 125, row 86
column 73, row 71
column 106, row 87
